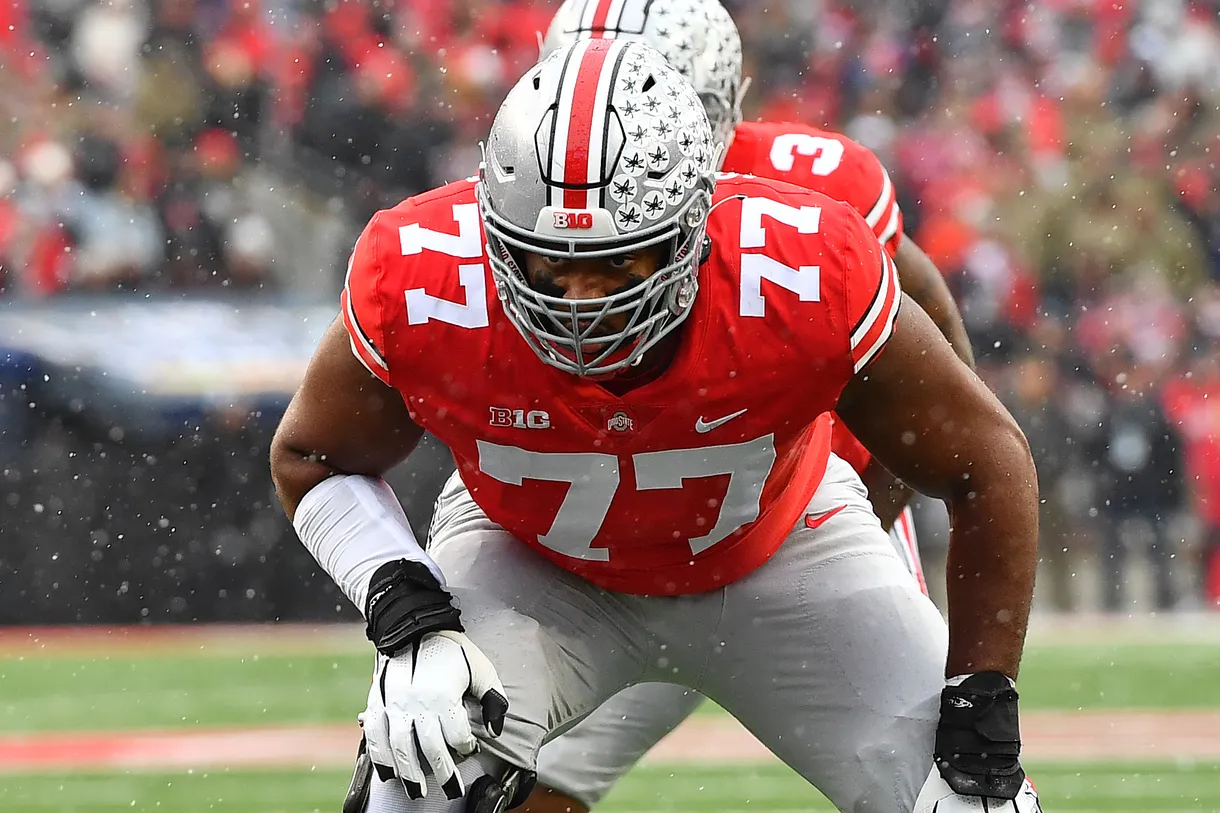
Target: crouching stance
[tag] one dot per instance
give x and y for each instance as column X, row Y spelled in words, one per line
column 634, row 361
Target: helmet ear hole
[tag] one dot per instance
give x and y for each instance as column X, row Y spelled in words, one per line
column 537, row 82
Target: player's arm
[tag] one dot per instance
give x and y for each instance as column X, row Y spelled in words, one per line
column 344, row 429
column 929, row 419
column 887, row 493
column 923, row 282
column 341, row 421
column 933, row 423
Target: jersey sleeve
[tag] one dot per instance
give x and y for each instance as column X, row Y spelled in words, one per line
column 362, row 300
column 883, row 216
column 873, row 296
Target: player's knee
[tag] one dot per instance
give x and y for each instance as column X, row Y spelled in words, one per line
column 549, row 800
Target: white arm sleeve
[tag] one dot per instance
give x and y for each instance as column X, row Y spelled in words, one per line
column 353, row 525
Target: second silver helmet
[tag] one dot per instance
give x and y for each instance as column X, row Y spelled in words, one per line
column 698, row 37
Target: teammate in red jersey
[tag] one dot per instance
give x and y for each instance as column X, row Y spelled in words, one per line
column 699, row 37
column 638, row 413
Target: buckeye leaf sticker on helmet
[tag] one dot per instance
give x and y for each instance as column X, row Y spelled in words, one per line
column 602, row 149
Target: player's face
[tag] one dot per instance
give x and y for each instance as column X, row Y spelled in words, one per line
column 576, row 279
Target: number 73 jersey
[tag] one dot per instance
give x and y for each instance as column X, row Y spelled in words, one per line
column 681, row 485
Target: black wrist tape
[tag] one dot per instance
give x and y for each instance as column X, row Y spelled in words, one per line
column 978, row 740
column 405, row 603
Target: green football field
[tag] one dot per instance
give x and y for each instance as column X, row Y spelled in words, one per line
column 754, row 789
column 243, row 685
column 152, row 690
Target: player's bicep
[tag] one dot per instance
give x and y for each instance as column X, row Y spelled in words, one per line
column 925, row 415
column 342, row 420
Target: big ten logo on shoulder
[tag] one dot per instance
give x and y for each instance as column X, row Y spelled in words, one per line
column 573, row 220
column 520, row 418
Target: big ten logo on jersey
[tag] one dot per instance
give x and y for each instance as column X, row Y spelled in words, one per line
column 520, row 418
column 756, row 266
column 572, row 220
column 415, row 239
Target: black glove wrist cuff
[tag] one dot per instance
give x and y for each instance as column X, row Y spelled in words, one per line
column 978, row 740
column 405, row 603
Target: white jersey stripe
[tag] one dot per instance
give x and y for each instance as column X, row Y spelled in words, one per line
column 360, row 357
column 880, row 207
column 890, row 317
column 373, row 352
column 879, row 303
column 364, row 340
column 891, row 227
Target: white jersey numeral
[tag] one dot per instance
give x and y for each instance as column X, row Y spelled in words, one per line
column 747, row 464
column 422, row 307
column 827, row 153
column 414, row 238
column 805, row 281
column 594, row 480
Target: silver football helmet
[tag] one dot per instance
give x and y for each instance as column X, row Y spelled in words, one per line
column 698, row 37
column 601, row 149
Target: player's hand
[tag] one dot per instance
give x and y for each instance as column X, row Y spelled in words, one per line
column 937, row 797
column 416, row 706
column 977, row 751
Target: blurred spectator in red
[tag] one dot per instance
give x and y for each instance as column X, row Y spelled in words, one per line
column 1192, row 401
column 1056, row 158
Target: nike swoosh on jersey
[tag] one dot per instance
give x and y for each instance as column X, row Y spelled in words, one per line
column 702, row 426
column 814, row 521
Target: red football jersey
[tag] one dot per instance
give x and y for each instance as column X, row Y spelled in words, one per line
column 684, row 484
column 824, row 161
column 836, row 166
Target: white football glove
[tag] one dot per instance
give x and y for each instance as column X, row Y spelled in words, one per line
column 416, row 706
column 937, row 797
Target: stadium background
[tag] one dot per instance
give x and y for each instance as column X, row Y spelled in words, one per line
column 180, row 182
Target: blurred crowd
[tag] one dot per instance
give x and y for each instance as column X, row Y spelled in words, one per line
column 1056, row 158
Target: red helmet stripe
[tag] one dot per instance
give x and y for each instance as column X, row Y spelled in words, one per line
column 590, row 97
column 600, row 14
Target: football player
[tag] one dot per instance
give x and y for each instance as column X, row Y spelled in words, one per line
column 700, row 38
column 633, row 362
